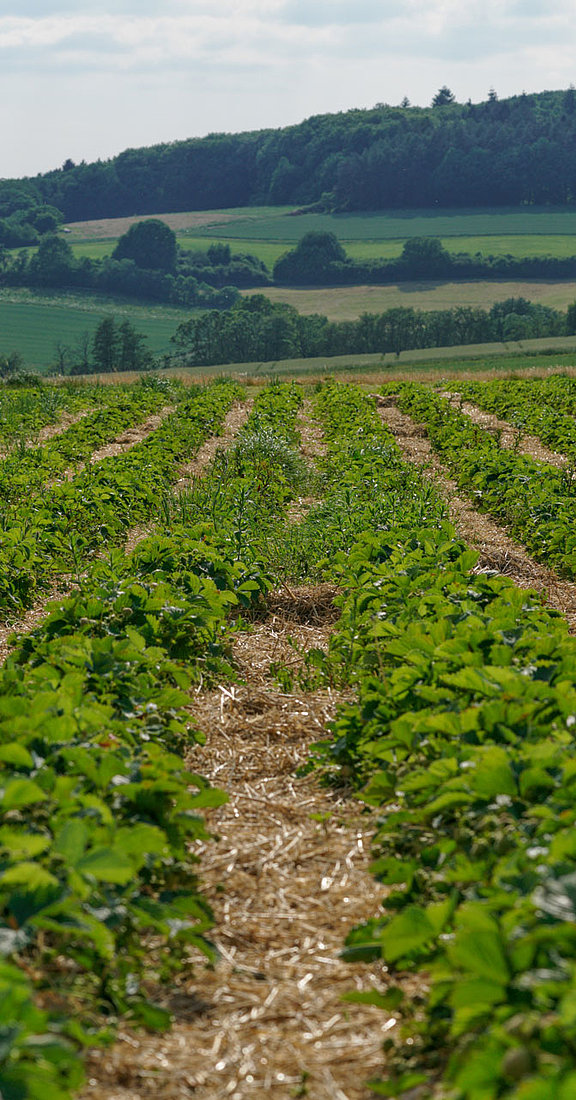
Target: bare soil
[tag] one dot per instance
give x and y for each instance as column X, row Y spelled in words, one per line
column 496, row 548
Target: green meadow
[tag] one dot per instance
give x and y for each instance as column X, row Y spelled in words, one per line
column 267, row 232
column 34, row 325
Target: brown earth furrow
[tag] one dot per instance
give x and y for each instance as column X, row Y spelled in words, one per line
column 287, row 880
column 496, row 547
column 509, row 437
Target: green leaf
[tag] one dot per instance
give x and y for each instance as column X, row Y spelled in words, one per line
column 388, row 1001
column 29, row 875
column 20, row 844
column 398, row 1085
column 141, row 840
column 492, row 774
column 409, row 930
column 72, row 841
column 151, row 1016
column 15, row 754
column 21, row 792
column 480, row 953
column 106, row 865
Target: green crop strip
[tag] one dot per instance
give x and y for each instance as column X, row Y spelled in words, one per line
column 97, row 810
column 245, row 492
column 24, row 411
column 29, row 468
column 535, row 500
column 545, row 408
column 462, row 737
column 58, row 531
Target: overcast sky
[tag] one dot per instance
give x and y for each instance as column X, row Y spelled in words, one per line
column 86, row 80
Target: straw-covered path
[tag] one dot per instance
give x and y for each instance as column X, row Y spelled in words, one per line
column 287, row 879
column 509, row 436
column 496, row 548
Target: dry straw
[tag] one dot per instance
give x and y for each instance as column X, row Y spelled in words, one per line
column 287, row 879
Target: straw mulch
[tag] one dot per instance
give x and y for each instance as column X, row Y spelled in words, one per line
column 287, row 879
column 509, row 436
column 497, row 549
column 233, row 422
column 312, row 444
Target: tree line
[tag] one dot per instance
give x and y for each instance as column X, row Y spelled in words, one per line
column 501, row 152
column 146, row 263
column 320, row 259
column 257, row 330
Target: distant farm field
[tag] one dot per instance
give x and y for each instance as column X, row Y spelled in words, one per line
column 348, row 303
column 395, row 225
column 34, row 326
column 558, row 246
column 267, row 232
column 281, row 224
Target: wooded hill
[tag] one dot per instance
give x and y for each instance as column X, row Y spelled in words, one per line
column 510, row 152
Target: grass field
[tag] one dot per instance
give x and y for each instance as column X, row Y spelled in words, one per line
column 348, row 303
column 278, row 223
column 34, row 324
column 268, row 231
column 537, row 357
column 269, row 251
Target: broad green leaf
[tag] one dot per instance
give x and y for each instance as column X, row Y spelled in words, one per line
column 409, row 930
column 21, row 792
column 15, row 754
column 152, row 1017
column 492, row 774
column 106, row 865
column 29, row 875
column 388, row 1001
column 20, row 844
column 479, row 953
column 141, row 840
column 72, row 840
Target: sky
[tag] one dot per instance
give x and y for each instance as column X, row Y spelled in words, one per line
column 85, row 80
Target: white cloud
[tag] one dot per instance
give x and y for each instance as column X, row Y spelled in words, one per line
column 86, row 80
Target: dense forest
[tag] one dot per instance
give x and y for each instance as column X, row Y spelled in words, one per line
column 510, row 152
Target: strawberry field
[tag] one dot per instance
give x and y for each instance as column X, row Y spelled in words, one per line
column 199, row 583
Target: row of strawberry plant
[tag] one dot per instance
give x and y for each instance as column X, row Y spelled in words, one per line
column 97, row 813
column 24, row 412
column 58, row 530
column 536, row 501
column 544, row 407
column 25, row 469
column 462, row 736
column 245, row 492
column 361, row 484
